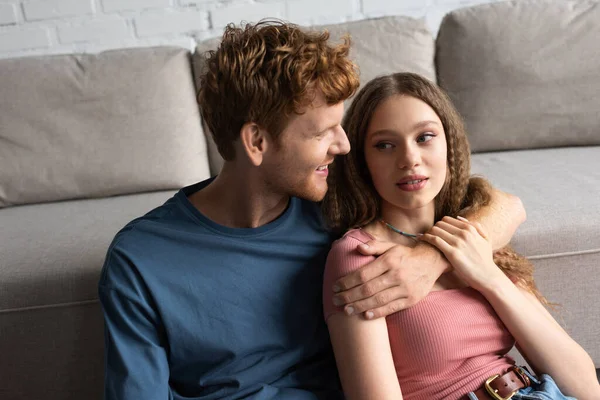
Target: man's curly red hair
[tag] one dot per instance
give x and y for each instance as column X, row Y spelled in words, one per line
column 263, row 73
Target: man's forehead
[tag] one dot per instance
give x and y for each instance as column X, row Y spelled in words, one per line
column 318, row 116
column 321, row 119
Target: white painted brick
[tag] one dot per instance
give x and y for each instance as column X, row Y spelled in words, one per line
column 247, row 13
column 171, row 23
column 47, row 9
column 22, row 39
column 126, row 5
column 195, row 2
column 462, row 3
column 94, row 31
column 8, row 14
column 303, row 11
column 386, row 7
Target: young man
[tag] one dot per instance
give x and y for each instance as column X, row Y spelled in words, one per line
column 217, row 293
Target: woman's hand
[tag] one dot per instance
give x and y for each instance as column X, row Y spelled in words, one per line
column 467, row 248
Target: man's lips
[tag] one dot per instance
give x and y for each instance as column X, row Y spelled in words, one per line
column 323, row 169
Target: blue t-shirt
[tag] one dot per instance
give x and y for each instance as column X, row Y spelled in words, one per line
column 197, row 310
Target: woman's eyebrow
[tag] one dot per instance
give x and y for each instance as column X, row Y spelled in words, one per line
column 423, row 124
column 415, row 127
column 382, row 132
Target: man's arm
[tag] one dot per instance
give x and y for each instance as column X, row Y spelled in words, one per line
column 500, row 218
column 136, row 365
column 400, row 277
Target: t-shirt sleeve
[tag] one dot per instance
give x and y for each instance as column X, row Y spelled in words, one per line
column 343, row 258
column 136, row 365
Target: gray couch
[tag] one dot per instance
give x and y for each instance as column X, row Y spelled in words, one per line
column 89, row 142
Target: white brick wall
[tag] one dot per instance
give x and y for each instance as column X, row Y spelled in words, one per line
column 321, row 11
column 23, row 39
column 32, row 27
column 183, row 22
column 48, row 9
column 8, row 14
column 237, row 13
column 128, row 5
column 95, row 30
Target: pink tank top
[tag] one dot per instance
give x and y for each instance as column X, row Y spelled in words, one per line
column 445, row 346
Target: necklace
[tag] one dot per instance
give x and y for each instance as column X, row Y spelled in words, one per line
column 393, row 228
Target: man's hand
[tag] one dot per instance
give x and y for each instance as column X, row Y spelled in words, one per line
column 399, row 278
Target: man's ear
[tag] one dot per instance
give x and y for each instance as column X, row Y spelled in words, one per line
column 254, row 142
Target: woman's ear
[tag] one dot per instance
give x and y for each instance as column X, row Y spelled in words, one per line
column 254, row 142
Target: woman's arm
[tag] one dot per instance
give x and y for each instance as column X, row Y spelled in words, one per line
column 544, row 343
column 361, row 347
column 363, row 357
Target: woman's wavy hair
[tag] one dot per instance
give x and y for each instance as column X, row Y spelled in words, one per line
column 352, row 200
column 264, row 73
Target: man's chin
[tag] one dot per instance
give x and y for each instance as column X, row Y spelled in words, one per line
column 314, row 194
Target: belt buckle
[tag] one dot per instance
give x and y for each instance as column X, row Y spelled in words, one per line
column 521, row 373
column 493, row 392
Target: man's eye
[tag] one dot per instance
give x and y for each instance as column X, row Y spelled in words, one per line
column 426, row 137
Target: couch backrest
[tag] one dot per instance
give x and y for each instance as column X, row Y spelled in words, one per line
column 379, row 46
column 524, row 74
column 80, row 126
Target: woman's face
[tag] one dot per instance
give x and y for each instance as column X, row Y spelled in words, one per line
column 405, row 151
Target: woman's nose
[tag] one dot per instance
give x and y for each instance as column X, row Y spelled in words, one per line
column 408, row 157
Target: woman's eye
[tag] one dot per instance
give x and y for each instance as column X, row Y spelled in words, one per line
column 426, row 137
column 383, row 146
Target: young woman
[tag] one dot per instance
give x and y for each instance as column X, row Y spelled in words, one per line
column 407, row 174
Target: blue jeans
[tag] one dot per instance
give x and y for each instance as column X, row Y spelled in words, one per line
column 542, row 388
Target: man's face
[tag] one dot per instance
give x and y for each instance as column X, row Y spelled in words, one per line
column 298, row 163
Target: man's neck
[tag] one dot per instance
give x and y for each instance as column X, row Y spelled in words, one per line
column 238, row 200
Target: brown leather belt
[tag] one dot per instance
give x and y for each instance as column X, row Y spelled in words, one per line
column 502, row 387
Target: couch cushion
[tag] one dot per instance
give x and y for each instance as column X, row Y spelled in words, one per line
column 54, row 353
column 379, row 46
column 51, row 254
column 386, row 45
column 79, row 126
column 560, row 189
column 524, row 73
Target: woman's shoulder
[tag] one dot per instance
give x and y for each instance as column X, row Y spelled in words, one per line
column 345, row 255
column 354, row 236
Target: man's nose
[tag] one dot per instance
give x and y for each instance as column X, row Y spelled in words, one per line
column 342, row 145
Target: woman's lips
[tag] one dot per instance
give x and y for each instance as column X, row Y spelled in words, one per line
column 412, row 185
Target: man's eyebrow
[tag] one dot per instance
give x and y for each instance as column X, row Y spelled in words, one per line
column 317, row 129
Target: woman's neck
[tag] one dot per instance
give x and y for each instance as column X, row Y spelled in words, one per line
column 415, row 221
